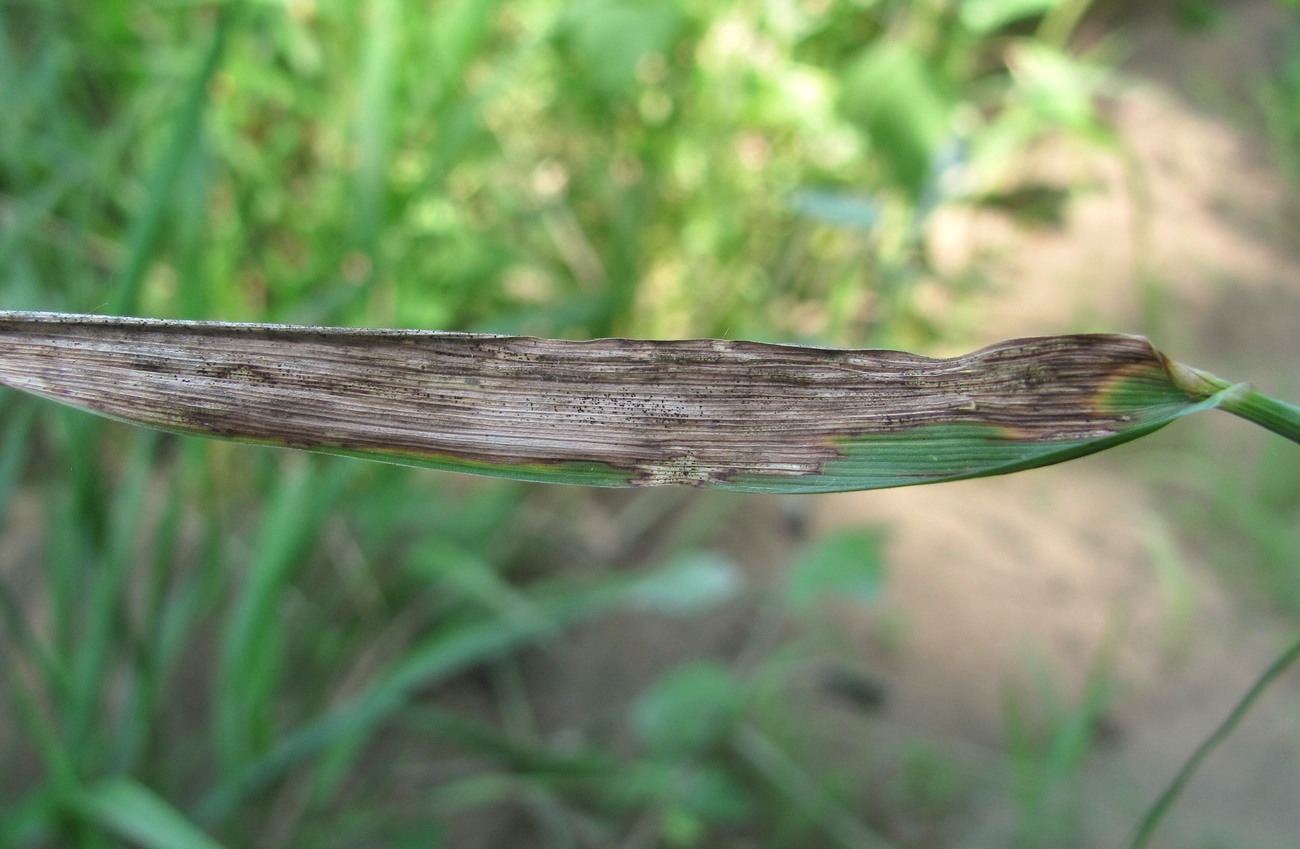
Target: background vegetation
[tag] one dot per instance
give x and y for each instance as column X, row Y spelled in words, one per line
column 213, row 642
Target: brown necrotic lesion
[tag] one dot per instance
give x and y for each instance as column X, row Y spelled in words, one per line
column 690, row 411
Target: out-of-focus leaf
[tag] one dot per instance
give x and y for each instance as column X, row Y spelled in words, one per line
column 458, row 646
column 609, row 37
column 903, row 107
column 689, row 794
column 689, row 584
column 136, row 813
column 1059, row 87
column 986, row 16
column 837, row 208
column 461, row 29
column 687, row 710
column 845, row 566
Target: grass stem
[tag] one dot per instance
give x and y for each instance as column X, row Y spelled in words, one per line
column 1240, row 399
column 1278, row 416
column 1156, row 813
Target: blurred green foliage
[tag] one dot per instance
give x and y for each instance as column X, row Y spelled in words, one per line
column 1247, row 519
column 605, row 166
column 1279, row 99
column 216, row 642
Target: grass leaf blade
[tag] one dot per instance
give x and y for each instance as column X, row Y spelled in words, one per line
column 612, row 412
column 135, row 812
column 147, row 226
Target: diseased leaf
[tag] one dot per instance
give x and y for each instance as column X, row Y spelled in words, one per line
column 617, row 412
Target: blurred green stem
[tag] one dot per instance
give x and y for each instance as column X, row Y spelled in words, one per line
column 804, row 791
column 1059, row 24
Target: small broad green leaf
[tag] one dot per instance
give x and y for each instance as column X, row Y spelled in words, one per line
column 845, row 566
column 715, row 413
column 136, row 813
column 460, row 28
column 687, row 710
column 985, row 16
column 1057, row 86
column 690, row 794
column 900, row 102
column 610, row 37
column 689, row 584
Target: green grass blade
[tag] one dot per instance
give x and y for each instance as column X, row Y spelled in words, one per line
column 461, row 31
column 456, row 647
column 146, row 227
column 617, row 412
column 805, row 792
column 26, row 822
column 40, row 730
column 426, row 664
column 14, row 444
column 1156, row 813
column 249, row 666
column 131, row 810
column 107, row 587
column 375, row 106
